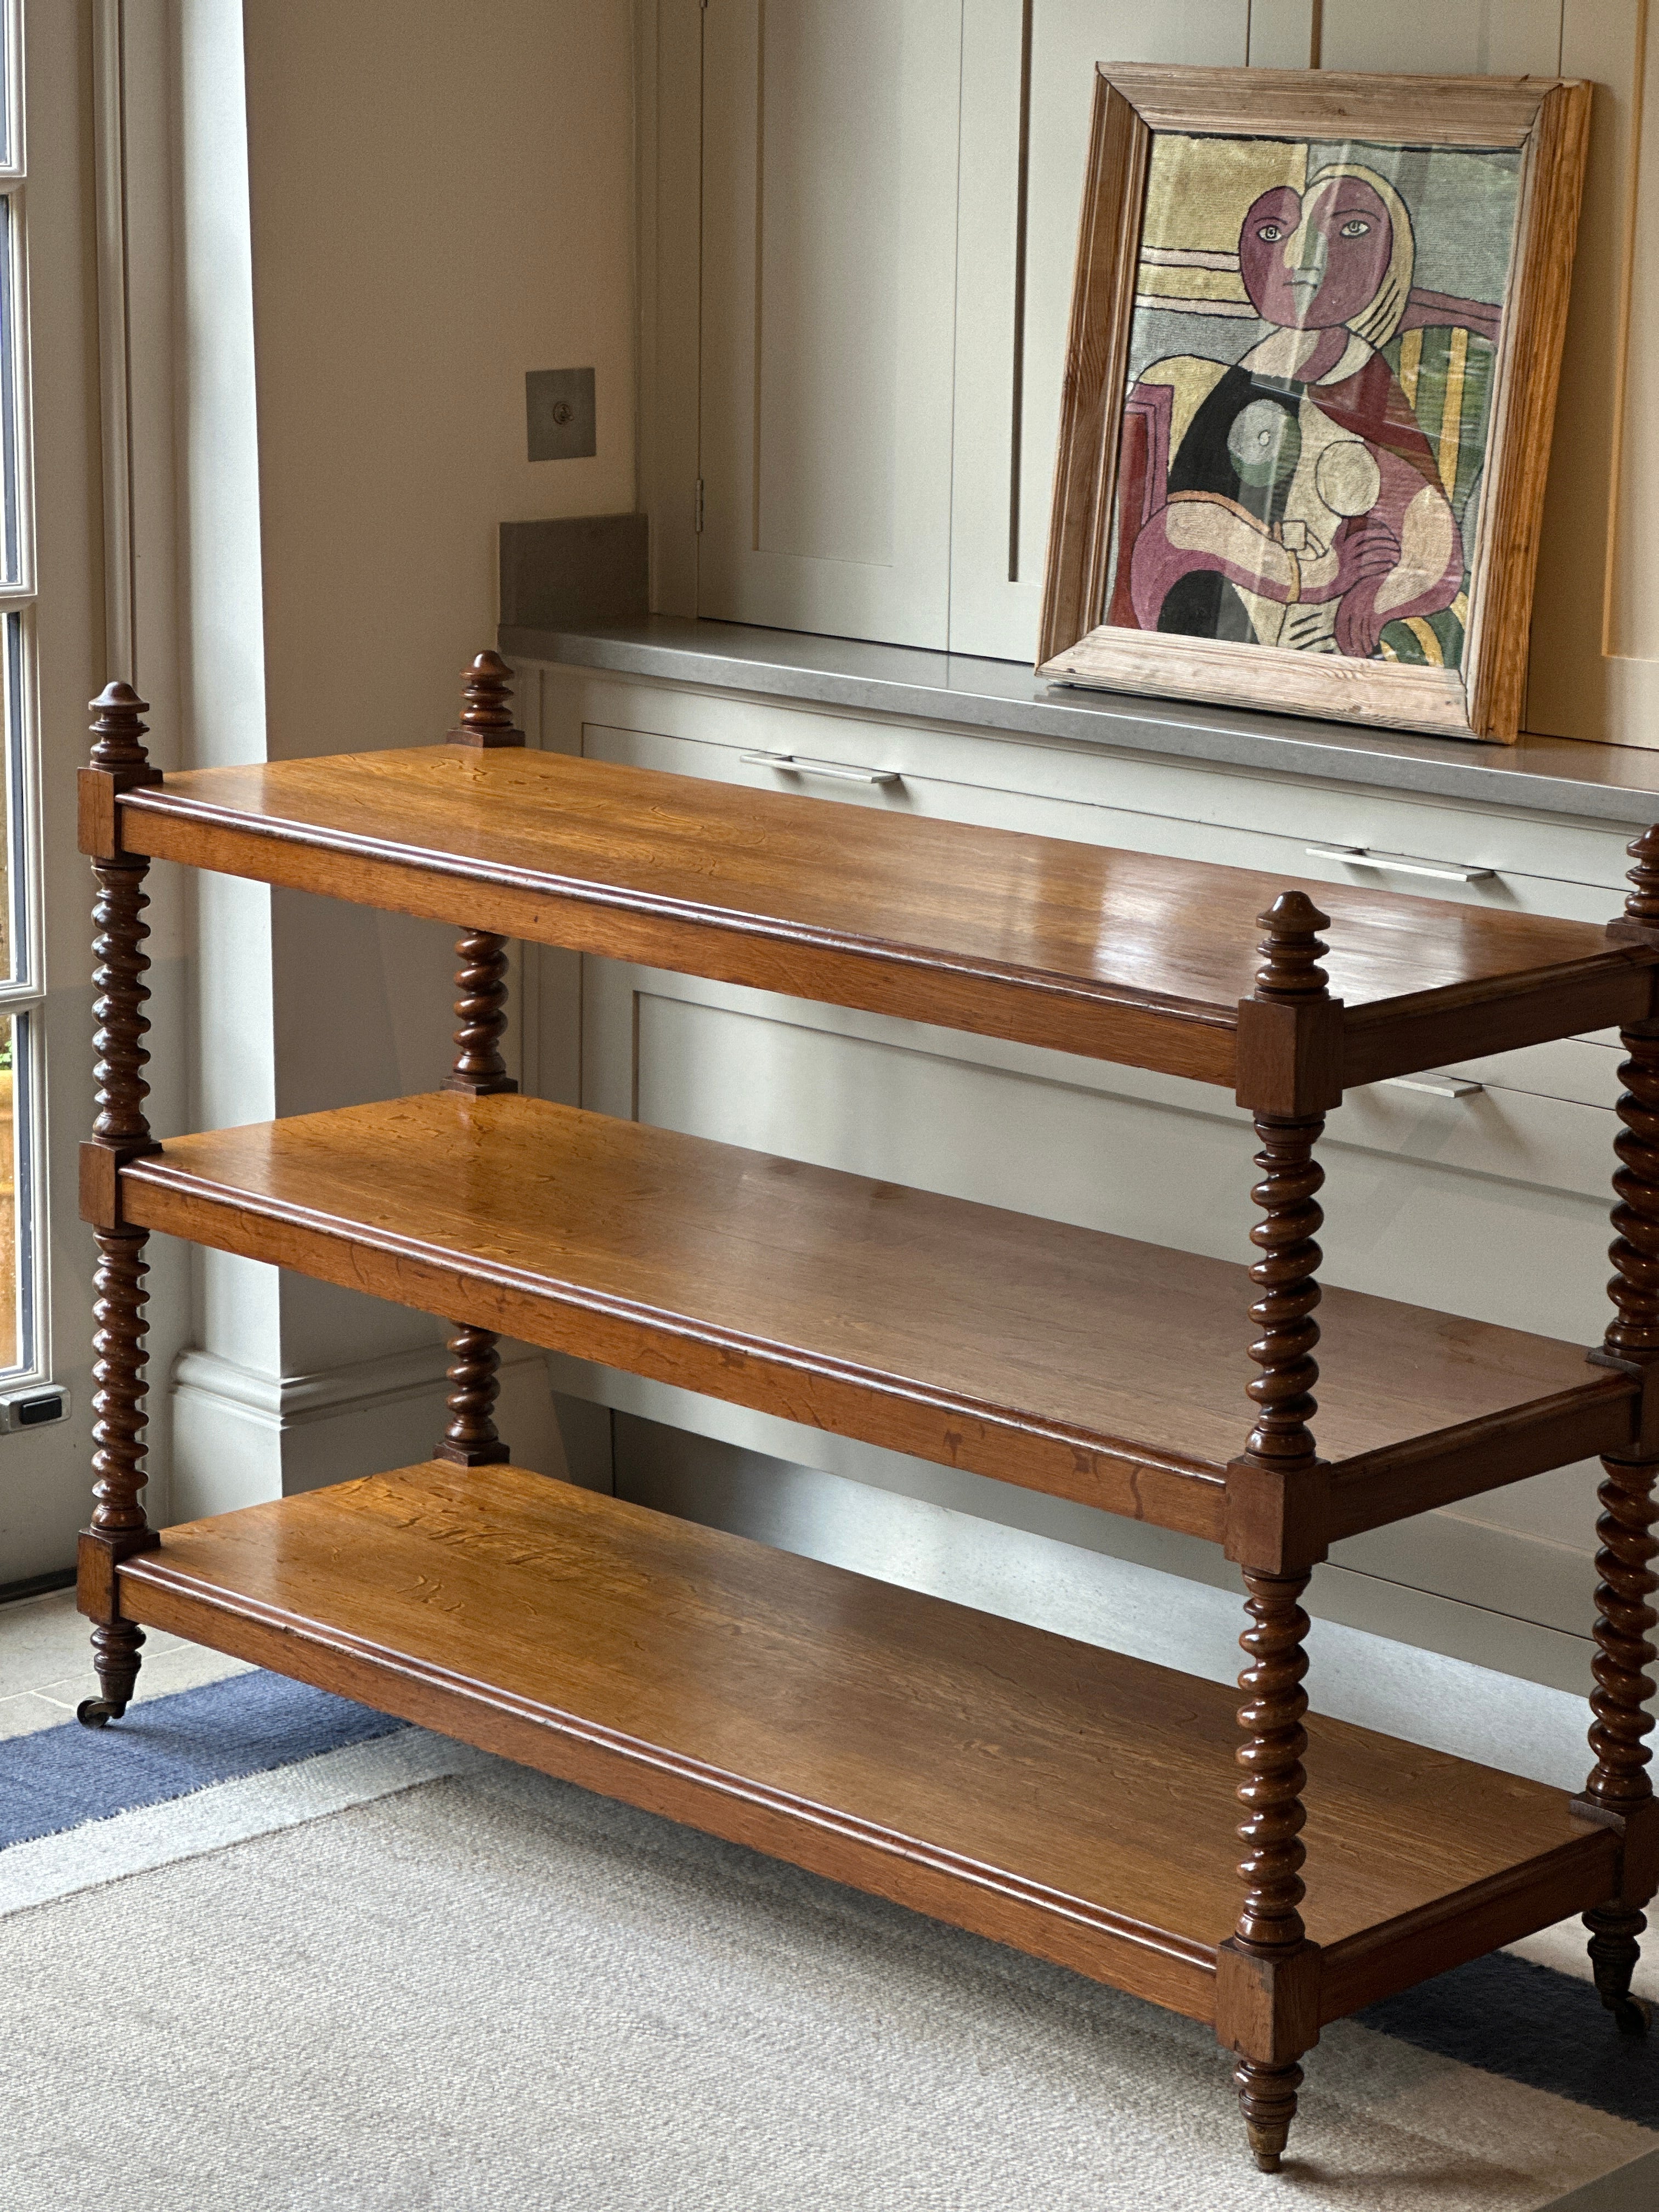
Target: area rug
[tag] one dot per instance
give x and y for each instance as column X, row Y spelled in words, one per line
column 390, row 1971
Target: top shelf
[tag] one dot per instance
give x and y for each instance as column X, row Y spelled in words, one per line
column 1124, row 956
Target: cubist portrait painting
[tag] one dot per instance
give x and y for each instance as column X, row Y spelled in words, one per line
column 1310, row 385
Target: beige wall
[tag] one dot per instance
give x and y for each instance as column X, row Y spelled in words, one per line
column 441, row 199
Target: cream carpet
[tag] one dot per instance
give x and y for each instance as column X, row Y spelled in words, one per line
column 489, row 1991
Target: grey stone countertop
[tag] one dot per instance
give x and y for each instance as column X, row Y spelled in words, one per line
column 1544, row 775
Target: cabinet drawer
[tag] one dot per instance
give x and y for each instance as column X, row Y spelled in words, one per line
column 1299, row 817
column 1299, row 809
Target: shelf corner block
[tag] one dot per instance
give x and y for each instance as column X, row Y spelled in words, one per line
column 1277, row 1518
column 1636, row 1826
column 1267, row 2006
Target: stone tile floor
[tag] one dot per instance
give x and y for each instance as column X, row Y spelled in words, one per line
column 45, row 1663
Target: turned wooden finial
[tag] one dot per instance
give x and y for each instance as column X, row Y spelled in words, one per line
column 486, row 714
column 1642, row 900
column 1291, row 949
column 118, row 731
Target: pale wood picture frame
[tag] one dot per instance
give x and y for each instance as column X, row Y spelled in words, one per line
column 1546, row 121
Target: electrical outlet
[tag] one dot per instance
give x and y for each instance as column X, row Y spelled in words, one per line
column 559, row 416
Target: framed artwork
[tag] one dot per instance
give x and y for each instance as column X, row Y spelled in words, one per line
column 1310, row 381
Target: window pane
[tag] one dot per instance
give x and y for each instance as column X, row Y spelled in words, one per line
column 13, row 932
column 15, row 1269
column 8, row 407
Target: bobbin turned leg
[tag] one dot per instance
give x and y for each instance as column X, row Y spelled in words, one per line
column 479, row 1072
column 1620, row 1783
column 119, row 1529
column 1270, row 1933
column 1267, row 1977
column 470, row 1439
column 486, row 724
column 1620, row 1790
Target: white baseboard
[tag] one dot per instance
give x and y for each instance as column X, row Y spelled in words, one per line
column 241, row 1436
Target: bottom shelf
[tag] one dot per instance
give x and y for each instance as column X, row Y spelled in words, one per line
column 1066, row 1800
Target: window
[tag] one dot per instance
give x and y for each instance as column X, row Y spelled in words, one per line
column 20, row 977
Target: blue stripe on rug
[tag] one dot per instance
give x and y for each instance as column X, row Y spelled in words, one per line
column 1532, row 2025
column 168, row 1747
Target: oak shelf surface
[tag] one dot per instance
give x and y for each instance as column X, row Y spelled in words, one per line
column 1062, row 1358
column 1043, row 1791
column 1119, row 956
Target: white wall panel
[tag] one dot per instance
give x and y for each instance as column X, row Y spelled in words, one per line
column 1447, row 38
column 830, row 131
column 1027, row 91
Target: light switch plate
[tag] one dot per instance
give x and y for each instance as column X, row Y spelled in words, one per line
column 559, row 414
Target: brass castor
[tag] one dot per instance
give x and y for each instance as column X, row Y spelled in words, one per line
column 99, row 1712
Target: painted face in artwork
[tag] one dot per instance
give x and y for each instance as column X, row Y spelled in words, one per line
column 1311, row 263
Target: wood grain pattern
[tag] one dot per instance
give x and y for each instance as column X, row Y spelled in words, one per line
column 1411, row 1032
column 1414, row 1478
column 1526, row 375
column 1096, row 362
column 1008, row 1780
column 1424, row 111
column 1549, row 120
column 1358, row 1969
column 1070, row 1361
column 1118, row 956
column 1388, row 695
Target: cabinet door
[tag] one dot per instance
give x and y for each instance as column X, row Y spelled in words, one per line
column 1027, row 93
column 830, row 142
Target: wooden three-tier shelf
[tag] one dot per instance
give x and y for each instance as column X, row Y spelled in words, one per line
column 1085, row 1807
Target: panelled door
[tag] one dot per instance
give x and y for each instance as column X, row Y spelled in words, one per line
column 830, row 136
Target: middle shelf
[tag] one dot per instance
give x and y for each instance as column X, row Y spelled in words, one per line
column 1064, row 1359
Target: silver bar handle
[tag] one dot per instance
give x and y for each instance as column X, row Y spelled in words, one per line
column 837, row 771
column 1440, row 1086
column 1358, row 856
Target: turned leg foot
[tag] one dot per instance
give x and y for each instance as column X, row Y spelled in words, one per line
column 1615, row 1945
column 115, row 1647
column 1267, row 2095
